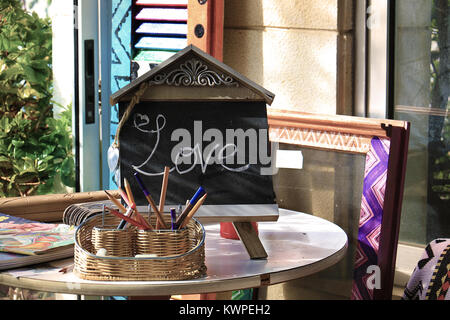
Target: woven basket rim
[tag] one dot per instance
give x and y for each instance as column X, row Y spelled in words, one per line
column 197, row 247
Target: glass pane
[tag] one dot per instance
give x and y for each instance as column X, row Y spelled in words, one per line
column 422, row 86
column 329, row 186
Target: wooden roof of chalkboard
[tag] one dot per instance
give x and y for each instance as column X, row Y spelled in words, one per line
column 165, row 74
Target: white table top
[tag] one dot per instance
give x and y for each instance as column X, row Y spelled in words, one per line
column 297, row 245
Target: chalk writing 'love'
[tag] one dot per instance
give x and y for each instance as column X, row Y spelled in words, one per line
column 185, row 156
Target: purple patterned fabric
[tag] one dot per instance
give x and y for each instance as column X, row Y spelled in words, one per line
column 370, row 217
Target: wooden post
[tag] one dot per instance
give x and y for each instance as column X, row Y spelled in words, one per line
column 250, row 239
column 205, row 26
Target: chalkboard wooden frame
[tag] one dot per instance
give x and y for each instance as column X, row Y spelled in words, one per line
column 191, row 76
column 226, row 83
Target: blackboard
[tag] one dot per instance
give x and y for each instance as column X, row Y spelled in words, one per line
column 156, row 131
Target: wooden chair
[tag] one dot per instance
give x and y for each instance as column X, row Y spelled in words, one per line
column 385, row 145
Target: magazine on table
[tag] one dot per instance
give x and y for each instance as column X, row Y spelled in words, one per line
column 24, row 242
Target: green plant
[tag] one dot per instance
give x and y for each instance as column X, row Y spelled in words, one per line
column 34, row 146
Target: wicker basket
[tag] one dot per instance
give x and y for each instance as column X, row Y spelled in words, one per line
column 116, row 242
column 180, row 254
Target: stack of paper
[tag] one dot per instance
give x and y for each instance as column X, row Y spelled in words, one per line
column 24, row 242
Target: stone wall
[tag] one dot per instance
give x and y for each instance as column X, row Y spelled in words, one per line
column 288, row 47
column 301, row 50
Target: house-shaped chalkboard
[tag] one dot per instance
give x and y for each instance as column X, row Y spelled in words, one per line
column 208, row 123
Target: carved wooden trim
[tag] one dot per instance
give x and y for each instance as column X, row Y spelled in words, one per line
column 320, row 139
column 335, row 132
column 193, row 73
column 192, row 67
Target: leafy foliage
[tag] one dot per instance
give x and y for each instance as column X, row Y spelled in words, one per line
column 34, row 146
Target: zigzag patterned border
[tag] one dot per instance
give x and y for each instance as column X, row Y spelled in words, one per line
column 320, row 139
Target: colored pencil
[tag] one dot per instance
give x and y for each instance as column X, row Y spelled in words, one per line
column 173, row 218
column 129, row 210
column 123, row 223
column 192, row 212
column 142, row 220
column 127, row 219
column 162, row 198
column 200, row 192
column 128, row 190
column 116, row 202
column 125, row 197
column 132, row 204
column 159, row 217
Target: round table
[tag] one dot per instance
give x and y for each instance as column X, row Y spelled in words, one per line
column 297, row 245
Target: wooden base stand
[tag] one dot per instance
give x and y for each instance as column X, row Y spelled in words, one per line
column 250, row 239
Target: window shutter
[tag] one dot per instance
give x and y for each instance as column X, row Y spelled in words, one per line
column 147, row 32
column 159, row 29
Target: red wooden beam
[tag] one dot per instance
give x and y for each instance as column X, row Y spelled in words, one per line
column 205, row 26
